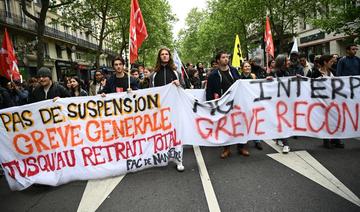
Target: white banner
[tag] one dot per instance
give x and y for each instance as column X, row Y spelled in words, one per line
column 93, row 137
column 89, row 137
column 263, row 109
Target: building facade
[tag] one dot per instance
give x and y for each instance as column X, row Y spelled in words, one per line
column 314, row 41
column 67, row 51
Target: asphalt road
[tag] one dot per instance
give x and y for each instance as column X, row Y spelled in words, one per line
column 255, row 183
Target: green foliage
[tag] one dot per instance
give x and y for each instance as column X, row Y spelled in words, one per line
column 89, row 15
column 342, row 17
column 215, row 28
column 159, row 21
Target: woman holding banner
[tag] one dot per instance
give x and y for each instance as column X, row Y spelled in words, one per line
column 246, row 74
column 282, row 64
column 165, row 73
column 326, row 62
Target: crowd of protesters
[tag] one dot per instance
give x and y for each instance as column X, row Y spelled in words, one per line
column 216, row 80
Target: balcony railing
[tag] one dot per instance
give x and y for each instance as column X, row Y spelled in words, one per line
column 16, row 20
column 29, row 24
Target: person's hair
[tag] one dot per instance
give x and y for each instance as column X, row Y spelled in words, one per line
column 212, row 62
column 303, row 56
column 243, row 63
column 218, row 55
column 280, row 61
column 257, row 60
column 118, row 58
column 192, row 72
column 348, row 47
column 134, row 70
column 94, row 77
column 158, row 60
column 79, row 81
column 325, row 58
column 269, row 63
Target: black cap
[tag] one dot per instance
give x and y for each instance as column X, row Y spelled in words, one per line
column 44, row 72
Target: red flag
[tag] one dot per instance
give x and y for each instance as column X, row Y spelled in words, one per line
column 138, row 31
column 269, row 45
column 8, row 61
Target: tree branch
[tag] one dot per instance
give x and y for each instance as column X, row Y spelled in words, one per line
column 27, row 13
column 95, row 11
column 61, row 4
column 108, row 32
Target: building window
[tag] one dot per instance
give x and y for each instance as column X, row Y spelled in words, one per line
column 14, row 41
column 58, row 51
column 66, row 29
column 23, row 16
column 78, row 56
column 8, row 8
column 68, row 52
column 54, row 24
column 46, row 50
column 303, row 24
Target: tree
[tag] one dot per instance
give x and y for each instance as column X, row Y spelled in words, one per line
column 94, row 17
column 112, row 17
column 190, row 38
column 159, row 21
column 46, row 5
column 223, row 19
column 339, row 16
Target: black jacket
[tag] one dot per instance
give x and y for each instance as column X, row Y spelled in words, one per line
column 56, row 90
column 259, row 72
column 280, row 73
column 110, row 86
column 164, row 76
column 296, row 69
column 5, row 99
column 214, row 83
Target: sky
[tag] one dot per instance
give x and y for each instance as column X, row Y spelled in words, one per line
column 181, row 8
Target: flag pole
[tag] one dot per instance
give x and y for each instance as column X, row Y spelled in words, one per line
column 128, row 56
column 267, row 61
column 187, row 76
column 129, row 61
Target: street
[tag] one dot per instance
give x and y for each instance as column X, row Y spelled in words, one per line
column 260, row 182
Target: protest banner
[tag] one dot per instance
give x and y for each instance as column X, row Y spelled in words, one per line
column 89, row 137
column 85, row 138
column 281, row 108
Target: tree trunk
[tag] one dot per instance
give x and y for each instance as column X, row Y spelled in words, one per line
column 102, row 34
column 40, row 45
column 98, row 53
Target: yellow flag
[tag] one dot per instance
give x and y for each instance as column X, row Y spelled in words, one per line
column 237, row 55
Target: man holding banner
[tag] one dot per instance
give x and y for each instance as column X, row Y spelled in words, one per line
column 47, row 88
column 219, row 81
column 119, row 82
